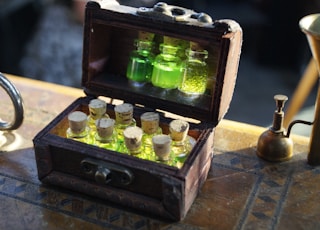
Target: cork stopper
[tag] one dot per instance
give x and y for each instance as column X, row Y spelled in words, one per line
column 146, row 36
column 132, row 138
column 124, row 113
column 150, row 122
column 195, row 46
column 178, row 130
column 97, row 108
column 105, row 127
column 77, row 121
column 162, row 146
column 180, row 44
column 175, row 41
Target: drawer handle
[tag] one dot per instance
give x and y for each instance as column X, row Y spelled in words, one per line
column 102, row 175
column 105, row 173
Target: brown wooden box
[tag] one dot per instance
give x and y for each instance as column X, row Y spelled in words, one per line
column 143, row 185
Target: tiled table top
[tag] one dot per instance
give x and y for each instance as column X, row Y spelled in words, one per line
column 241, row 192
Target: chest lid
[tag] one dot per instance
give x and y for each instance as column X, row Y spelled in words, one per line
column 111, row 32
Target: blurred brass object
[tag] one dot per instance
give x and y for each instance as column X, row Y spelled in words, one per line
column 302, row 91
column 273, row 144
column 310, row 25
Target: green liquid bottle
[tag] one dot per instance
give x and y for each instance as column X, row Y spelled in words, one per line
column 97, row 110
column 140, row 65
column 124, row 119
column 167, row 68
column 150, row 127
column 106, row 137
column 181, row 142
column 133, row 140
column 195, row 73
column 78, row 129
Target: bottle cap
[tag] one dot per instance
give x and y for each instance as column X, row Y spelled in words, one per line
column 77, row 121
column 132, row 138
column 178, row 130
column 105, row 127
column 97, row 108
column 124, row 113
column 162, row 146
column 150, row 122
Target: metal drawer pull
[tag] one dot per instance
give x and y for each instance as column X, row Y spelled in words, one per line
column 105, row 173
column 102, row 175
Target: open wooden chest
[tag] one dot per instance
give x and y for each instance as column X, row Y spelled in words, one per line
column 145, row 185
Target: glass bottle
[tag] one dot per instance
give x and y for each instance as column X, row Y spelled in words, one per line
column 195, row 73
column 78, row 128
column 106, row 136
column 133, row 140
column 150, row 128
column 182, row 44
column 167, row 68
column 97, row 110
column 124, row 119
column 181, row 143
column 162, row 147
column 140, row 64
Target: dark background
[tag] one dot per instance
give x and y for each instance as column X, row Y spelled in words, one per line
column 42, row 39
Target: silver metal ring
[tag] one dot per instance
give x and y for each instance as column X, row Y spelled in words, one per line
column 17, row 103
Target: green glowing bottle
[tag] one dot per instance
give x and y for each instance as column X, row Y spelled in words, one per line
column 124, row 119
column 150, row 127
column 140, row 65
column 182, row 143
column 78, row 129
column 195, row 73
column 97, row 110
column 133, row 140
column 105, row 136
column 167, row 68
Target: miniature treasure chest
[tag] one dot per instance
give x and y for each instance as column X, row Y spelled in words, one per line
column 158, row 81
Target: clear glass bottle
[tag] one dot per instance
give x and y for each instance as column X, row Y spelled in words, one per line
column 167, row 68
column 97, row 110
column 124, row 119
column 140, row 66
column 195, row 73
column 181, row 142
column 150, row 127
column 162, row 147
column 78, row 128
column 182, row 44
column 106, row 136
column 133, row 140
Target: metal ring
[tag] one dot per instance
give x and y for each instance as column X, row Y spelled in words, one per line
column 17, row 103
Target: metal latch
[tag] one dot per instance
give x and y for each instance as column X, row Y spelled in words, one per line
column 105, row 173
column 167, row 12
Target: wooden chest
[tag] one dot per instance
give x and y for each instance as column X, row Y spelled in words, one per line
column 153, row 187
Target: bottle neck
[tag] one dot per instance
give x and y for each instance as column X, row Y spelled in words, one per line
column 200, row 55
column 144, row 48
column 168, row 49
